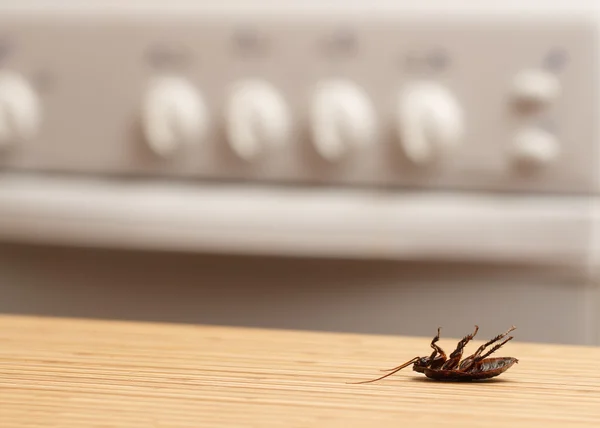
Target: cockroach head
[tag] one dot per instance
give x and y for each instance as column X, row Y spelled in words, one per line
column 421, row 363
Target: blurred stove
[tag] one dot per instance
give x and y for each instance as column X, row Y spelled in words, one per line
column 452, row 137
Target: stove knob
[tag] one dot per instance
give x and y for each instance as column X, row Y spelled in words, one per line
column 536, row 88
column 430, row 121
column 173, row 113
column 535, row 147
column 342, row 117
column 257, row 118
column 20, row 110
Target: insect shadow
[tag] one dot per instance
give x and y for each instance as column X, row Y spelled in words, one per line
column 473, row 381
column 477, row 366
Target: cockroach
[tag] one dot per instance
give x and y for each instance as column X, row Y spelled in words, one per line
column 474, row 367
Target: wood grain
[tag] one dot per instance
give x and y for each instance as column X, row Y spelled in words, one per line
column 88, row 373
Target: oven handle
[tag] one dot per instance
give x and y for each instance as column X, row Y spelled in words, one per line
column 322, row 222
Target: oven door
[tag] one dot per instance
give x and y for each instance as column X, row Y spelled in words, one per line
column 379, row 262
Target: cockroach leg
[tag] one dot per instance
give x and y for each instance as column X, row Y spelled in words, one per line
column 495, row 339
column 436, row 348
column 434, row 358
column 467, row 362
column 470, row 362
column 437, row 361
column 456, row 355
column 494, row 349
column 396, row 369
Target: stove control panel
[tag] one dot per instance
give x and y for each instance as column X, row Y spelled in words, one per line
column 472, row 104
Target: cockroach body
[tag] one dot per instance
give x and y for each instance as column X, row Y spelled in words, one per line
column 477, row 366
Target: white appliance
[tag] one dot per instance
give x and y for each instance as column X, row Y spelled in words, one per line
column 355, row 166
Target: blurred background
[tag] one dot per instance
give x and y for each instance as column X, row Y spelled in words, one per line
column 350, row 166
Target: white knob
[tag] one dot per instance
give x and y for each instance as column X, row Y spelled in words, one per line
column 173, row 113
column 536, row 87
column 536, row 147
column 257, row 118
column 341, row 116
column 20, row 110
column 430, row 121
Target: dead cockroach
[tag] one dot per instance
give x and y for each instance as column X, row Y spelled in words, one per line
column 475, row 367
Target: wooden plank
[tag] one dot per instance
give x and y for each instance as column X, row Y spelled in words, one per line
column 75, row 373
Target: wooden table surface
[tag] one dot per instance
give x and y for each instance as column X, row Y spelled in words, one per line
column 88, row 373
